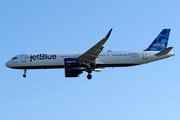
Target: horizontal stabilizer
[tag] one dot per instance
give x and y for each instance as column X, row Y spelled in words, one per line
column 164, row 52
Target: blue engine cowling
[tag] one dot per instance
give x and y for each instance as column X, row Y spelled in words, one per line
column 72, row 73
column 71, row 62
column 70, row 65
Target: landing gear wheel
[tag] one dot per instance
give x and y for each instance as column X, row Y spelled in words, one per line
column 89, row 76
column 24, row 75
column 89, row 70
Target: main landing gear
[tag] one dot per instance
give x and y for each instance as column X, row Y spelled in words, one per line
column 24, row 75
column 89, row 76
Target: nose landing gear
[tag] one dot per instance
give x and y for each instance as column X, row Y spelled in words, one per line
column 24, row 75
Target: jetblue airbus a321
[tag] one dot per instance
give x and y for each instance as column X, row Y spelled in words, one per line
column 94, row 59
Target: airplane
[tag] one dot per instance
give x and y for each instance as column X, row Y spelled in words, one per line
column 94, row 59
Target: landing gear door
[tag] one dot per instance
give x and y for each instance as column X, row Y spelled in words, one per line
column 23, row 58
column 145, row 55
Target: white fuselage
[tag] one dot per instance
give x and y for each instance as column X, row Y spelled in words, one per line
column 94, row 59
column 105, row 59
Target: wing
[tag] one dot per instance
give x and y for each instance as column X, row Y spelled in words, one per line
column 90, row 56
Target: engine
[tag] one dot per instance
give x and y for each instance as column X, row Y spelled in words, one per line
column 71, row 67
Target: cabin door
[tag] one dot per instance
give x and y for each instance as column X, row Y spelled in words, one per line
column 23, row 58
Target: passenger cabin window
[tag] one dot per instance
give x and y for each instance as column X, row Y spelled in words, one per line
column 134, row 55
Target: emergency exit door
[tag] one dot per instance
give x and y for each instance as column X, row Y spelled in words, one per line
column 144, row 54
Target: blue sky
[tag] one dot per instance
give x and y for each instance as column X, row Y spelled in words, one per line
column 144, row 92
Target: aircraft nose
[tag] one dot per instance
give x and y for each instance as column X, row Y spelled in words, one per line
column 7, row 64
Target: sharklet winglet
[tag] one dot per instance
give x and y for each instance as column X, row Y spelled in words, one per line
column 107, row 36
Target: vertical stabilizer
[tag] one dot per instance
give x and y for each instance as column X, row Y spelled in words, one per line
column 161, row 41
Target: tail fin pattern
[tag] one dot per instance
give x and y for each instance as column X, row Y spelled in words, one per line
column 161, row 41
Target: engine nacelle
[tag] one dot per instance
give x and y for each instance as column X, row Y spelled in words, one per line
column 71, row 62
column 71, row 67
column 72, row 73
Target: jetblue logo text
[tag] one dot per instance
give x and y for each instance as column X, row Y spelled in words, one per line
column 42, row 57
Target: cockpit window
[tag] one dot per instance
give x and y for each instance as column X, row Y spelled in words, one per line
column 14, row 58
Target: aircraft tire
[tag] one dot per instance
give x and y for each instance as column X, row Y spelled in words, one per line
column 24, row 75
column 89, row 76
